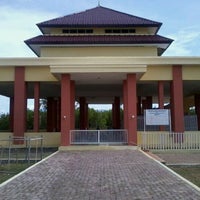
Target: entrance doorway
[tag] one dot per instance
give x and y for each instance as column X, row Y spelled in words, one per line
column 98, row 117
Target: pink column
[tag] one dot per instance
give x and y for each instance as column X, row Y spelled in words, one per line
column 116, row 113
column 177, row 99
column 58, row 113
column 139, row 108
column 50, row 114
column 161, row 99
column 36, row 106
column 149, row 102
column 144, row 105
column 72, row 105
column 19, row 102
column 197, row 108
column 65, row 109
column 125, row 104
column 161, row 94
column 83, row 113
column 11, row 113
column 86, row 116
column 132, row 109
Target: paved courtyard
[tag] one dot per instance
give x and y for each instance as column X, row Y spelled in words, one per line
column 94, row 175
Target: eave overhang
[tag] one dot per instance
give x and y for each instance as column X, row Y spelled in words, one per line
column 162, row 43
column 59, row 61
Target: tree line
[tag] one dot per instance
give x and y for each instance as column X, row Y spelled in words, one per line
column 97, row 119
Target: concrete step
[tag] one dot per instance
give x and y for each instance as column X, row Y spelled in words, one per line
column 96, row 147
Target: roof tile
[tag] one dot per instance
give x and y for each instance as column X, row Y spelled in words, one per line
column 98, row 17
column 99, row 39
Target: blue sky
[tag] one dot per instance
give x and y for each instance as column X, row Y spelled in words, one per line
column 18, row 19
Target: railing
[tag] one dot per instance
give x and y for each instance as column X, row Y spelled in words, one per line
column 98, row 137
column 21, row 149
column 164, row 140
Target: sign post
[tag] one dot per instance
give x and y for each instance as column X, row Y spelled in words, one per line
column 157, row 117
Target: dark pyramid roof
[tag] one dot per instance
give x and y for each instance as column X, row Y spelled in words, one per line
column 99, row 17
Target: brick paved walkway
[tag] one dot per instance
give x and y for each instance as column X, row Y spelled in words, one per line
column 95, row 175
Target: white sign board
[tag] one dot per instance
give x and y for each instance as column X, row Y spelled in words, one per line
column 157, row 117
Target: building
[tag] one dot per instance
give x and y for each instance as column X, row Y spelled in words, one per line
column 99, row 56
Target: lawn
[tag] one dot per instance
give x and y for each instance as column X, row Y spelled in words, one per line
column 184, row 162
column 9, row 170
column 191, row 173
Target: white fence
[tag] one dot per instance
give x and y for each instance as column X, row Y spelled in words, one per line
column 164, row 140
column 98, row 137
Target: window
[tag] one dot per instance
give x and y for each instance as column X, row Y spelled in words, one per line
column 124, row 30
column 77, row 31
column 81, row 30
column 89, row 31
column 73, row 31
column 108, row 31
column 65, row 31
column 131, row 30
column 118, row 31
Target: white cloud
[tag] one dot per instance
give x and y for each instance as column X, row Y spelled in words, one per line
column 17, row 26
column 186, row 42
column 5, row 102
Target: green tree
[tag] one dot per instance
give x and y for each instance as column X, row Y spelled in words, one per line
column 29, row 122
column 4, row 122
column 43, row 119
column 30, row 119
column 100, row 119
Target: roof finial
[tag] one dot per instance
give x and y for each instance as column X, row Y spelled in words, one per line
column 99, row 3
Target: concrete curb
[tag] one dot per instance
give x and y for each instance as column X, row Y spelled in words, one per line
column 96, row 147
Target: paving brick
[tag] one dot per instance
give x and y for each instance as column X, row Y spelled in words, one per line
column 99, row 175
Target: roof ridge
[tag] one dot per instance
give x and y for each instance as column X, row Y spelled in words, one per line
column 131, row 15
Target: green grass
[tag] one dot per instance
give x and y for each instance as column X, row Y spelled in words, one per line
column 9, row 170
column 191, row 173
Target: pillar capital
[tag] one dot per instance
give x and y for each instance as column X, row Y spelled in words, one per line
column 36, row 106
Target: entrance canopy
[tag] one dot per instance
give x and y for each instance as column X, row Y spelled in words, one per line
column 99, row 79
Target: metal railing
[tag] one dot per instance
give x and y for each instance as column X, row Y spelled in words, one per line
column 98, row 136
column 164, row 140
column 17, row 149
